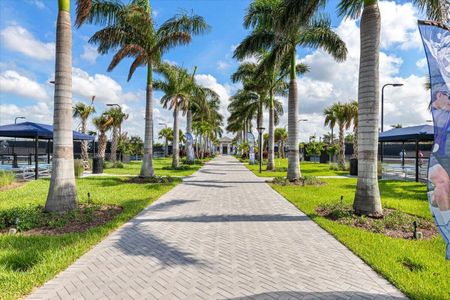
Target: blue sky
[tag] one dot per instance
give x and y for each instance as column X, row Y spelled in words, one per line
column 27, row 35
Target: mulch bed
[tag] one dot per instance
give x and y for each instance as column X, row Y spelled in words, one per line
column 14, row 185
column 403, row 230
column 99, row 216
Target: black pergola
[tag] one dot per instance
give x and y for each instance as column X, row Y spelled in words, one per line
column 37, row 132
column 416, row 134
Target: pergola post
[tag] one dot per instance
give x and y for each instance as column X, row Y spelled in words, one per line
column 48, row 151
column 36, row 162
column 417, row 160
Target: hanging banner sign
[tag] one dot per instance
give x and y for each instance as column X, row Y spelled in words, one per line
column 436, row 41
column 251, row 144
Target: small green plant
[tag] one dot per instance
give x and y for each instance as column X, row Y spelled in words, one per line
column 78, row 167
column 118, row 165
column 6, row 178
column 179, row 168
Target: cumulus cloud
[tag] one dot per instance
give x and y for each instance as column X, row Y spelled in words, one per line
column 40, row 112
column 19, row 39
column 15, row 83
column 89, row 54
column 105, row 89
column 223, row 91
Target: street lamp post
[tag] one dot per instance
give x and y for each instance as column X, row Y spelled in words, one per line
column 382, row 110
column 260, row 131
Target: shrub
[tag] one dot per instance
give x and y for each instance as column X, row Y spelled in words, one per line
column 78, row 167
column 118, row 165
column 6, row 178
column 180, row 168
column 336, row 167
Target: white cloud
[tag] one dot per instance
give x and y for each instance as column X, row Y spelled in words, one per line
column 210, row 81
column 89, row 54
column 15, row 83
column 223, row 65
column 19, row 39
column 399, row 25
column 105, row 89
column 422, row 63
column 38, row 3
column 40, row 112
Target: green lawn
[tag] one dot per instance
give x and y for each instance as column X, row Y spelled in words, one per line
column 307, row 168
column 29, row 261
column 388, row 256
column 134, row 167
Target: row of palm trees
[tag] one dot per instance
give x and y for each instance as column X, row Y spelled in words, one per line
column 128, row 31
column 111, row 119
column 279, row 27
column 343, row 115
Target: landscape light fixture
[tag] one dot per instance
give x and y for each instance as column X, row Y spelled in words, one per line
column 260, row 131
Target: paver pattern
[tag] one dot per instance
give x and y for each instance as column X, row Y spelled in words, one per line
column 221, row 234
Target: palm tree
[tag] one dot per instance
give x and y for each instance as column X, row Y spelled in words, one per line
column 118, row 117
column 62, row 195
column 353, row 117
column 338, row 113
column 166, row 134
column 103, row 123
column 289, row 29
column 83, row 111
column 367, row 196
column 281, row 136
column 131, row 29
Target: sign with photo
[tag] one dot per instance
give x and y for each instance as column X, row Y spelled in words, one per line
column 436, row 41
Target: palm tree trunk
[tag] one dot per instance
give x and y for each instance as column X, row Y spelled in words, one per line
column 341, row 160
column 367, row 196
column 189, row 148
column 62, row 195
column 175, row 142
column 166, row 147
column 355, row 142
column 271, row 152
column 102, row 143
column 114, row 143
column 147, row 163
column 84, row 145
column 293, row 171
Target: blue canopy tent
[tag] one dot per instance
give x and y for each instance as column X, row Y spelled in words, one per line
column 416, row 134
column 36, row 131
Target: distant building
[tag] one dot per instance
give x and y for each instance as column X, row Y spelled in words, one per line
column 225, row 145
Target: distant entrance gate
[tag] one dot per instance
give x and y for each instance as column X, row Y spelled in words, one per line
column 225, row 145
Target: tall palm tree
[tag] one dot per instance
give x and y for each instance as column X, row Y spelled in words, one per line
column 103, row 124
column 118, row 117
column 367, row 196
column 62, row 194
column 290, row 29
column 131, row 29
column 166, row 134
column 177, row 87
column 281, row 138
column 83, row 112
column 340, row 115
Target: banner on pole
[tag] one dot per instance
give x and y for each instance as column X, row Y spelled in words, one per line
column 436, row 41
column 251, row 144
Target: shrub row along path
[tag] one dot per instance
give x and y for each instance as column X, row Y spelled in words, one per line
column 221, row 234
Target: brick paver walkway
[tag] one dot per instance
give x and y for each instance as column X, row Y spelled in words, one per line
column 222, row 234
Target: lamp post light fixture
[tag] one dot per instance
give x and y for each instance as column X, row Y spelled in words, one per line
column 382, row 101
column 260, row 131
column 382, row 110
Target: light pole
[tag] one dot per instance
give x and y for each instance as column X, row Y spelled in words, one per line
column 260, row 131
column 382, row 110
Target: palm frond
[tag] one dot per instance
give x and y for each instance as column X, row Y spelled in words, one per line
column 99, row 12
column 130, row 50
column 436, row 10
column 350, row 8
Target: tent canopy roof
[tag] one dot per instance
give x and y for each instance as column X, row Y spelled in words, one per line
column 408, row 134
column 35, row 130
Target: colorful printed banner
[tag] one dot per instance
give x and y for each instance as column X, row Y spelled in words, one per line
column 436, row 41
column 251, row 144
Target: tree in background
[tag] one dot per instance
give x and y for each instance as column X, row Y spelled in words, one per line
column 281, row 137
column 103, row 124
column 166, row 134
column 83, row 112
column 117, row 118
